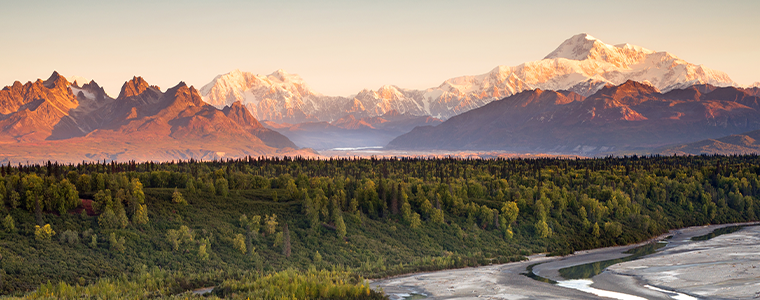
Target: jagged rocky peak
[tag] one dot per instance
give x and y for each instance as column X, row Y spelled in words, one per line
column 78, row 81
column 182, row 93
column 134, row 87
column 238, row 113
column 629, row 88
column 56, row 80
column 91, row 85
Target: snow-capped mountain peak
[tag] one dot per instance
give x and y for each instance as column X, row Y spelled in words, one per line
column 576, row 47
column 582, row 64
column 585, row 47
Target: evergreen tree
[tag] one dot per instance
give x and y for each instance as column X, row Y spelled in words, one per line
column 117, row 244
column 9, row 224
column 94, row 241
column 222, row 187
column 340, row 226
column 286, row 242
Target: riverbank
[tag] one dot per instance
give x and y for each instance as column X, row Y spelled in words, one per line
column 507, row 282
column 725, row 266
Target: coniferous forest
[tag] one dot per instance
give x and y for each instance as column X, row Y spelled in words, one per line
column 282, row 228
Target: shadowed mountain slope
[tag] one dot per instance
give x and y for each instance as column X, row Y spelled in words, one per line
column 629, row 116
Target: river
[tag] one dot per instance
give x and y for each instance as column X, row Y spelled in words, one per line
column 664, row 274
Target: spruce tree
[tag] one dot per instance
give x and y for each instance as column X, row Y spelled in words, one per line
column 286, row 242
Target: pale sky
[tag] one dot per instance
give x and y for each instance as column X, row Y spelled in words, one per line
column 341, row 47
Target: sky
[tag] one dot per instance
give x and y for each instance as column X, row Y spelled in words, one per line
column 342, row 47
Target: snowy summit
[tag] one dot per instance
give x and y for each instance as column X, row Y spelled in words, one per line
column 582, row 64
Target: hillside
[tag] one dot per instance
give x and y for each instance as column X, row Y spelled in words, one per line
column 630, row 116
column 158, row 229
column 735, row 144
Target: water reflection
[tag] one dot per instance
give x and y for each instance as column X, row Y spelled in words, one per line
column 533, row 276
column 717, row 232
column 592, row 269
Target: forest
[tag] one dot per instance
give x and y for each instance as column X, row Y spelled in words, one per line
column 297, row 228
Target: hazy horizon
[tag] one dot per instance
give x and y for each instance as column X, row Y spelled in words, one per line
column 340, row 47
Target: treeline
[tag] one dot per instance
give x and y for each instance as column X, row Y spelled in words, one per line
column 372, row 217
column 156, row 283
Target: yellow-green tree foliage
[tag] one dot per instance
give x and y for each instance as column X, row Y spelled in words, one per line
column 43, row 233
column 542, row 229
column 179, row 236
column 108, row 219
column 141, row 215
column 202, row 253
column 414, row 221
column 94, row 241
column 277, row 239
column 102, row 200
column 177, row 198
column 239, row 243
column 595, row 230
column 136, row 189
column 312, row 212
column 340, row 226
column 270, row 223
column 117, row 244
column 613, row 229
column 510, row 211
column 292, row 190
column 203, row 248
column 436, row 216
column 508, row 234
column 35, row 189
column 406, row 212
column 9, row 224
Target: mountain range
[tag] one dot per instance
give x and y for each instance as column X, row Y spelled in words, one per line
column 64, row 121
column 582, row 64
column 632, row 116
column 585, row 97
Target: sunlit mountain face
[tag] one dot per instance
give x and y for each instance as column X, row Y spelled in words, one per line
column 582, row 64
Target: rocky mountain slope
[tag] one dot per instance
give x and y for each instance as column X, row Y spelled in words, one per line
column 55, row 119
column 582, row 64
column 630, row 116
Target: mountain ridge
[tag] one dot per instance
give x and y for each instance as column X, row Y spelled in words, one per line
column 582, row 64
column 71, row 123
column 625, row 117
